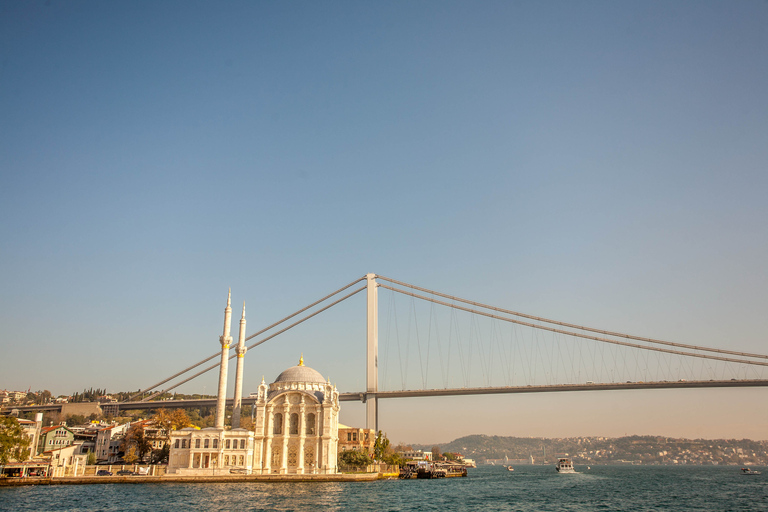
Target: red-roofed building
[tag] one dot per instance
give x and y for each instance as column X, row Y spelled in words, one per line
column 54, row 437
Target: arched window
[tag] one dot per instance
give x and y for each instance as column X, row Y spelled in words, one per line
column 242, row 444
column 215, row 443
column 294, row 424
column 278, row 427
column 311, row 424
column 227, row 445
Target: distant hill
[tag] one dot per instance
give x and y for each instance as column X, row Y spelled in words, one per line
column 631, row 449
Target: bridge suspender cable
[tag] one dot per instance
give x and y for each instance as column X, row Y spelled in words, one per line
column 564, row 324
column 261, row 341
column 578, row 335
column 248, row 338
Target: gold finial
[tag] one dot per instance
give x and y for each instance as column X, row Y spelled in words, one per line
column 301, row 360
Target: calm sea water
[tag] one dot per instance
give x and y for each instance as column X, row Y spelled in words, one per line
column 528, row 488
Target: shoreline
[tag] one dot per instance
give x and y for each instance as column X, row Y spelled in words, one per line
column 169, row 479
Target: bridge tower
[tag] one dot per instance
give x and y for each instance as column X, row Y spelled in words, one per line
column 372, row 369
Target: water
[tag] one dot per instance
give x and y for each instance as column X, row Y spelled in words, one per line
column 528, row 488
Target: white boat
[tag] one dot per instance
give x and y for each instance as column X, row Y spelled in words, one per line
column 564, row 466
column 510, row 468
column 748, row 471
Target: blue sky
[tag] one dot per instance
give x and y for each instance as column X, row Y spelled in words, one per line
column 603, row 163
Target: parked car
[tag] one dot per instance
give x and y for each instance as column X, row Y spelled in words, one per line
column 103, row 472
column 125, row 472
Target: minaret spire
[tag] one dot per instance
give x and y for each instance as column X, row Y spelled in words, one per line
column 240, row 351
column 225, row 340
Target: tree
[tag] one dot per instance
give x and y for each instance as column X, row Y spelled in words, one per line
column 394, row 459
column 130, row 455
column 402, row 448
column 161, row 456
column 380, row 446
column 14, row 444
column 354, row 458
column 169, row 421
column 135, row 438
column 90, row 459
column 435, row 452
column 75, row 419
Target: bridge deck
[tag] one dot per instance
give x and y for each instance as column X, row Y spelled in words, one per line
column 362, row 397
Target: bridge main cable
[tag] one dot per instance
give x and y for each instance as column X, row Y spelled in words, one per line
column 248, row 338
column 578, row 335
column 565, row 324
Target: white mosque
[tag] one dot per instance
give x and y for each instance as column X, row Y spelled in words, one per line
column 296, row 425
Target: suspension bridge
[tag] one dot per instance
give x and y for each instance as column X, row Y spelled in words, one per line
column 466, row 347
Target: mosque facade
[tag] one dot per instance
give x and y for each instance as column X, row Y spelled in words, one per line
column 296, row 426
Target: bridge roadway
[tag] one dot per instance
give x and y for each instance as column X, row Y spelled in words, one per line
column 363, row 397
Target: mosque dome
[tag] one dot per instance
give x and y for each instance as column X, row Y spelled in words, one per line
column 300, row 373
column 299, row 377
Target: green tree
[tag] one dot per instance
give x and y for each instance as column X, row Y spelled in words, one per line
column 75, row 419
column 435, row 452
column 90, row 459
column 14, row 444
column 380, row 446
column 354, row 458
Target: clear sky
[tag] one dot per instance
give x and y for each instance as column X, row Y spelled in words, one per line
column 601, row 163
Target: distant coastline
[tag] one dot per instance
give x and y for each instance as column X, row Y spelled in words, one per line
column 606, row 450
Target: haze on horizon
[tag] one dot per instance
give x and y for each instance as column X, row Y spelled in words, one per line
column 598, row 163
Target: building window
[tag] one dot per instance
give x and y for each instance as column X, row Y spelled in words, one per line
column 183, row 443
column 294, row 424
column 242, row 444
column 215, row 443
column 206, row 443
column 176, row 444
column 197, row 443
column 354, row 436
column 242, row 460
column 226, row 460
column 226, row 446
column 311, row 424
column 278, row 427
column 349, row 436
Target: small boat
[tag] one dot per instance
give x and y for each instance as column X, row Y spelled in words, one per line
column 510, row 468
column 564, row 466
column 748, row 471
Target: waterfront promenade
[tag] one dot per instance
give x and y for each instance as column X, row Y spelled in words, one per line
column 169, row 479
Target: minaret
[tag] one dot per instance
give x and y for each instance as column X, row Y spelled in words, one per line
column 225, row 340
column 240, row 350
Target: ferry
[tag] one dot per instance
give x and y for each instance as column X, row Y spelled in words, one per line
column 564, row 466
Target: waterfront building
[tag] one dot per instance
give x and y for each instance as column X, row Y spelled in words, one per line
column 296, row 422
column 417, row 455
column 357, row 439
column 32, row 430
column 54, row 437
column 108, row 440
